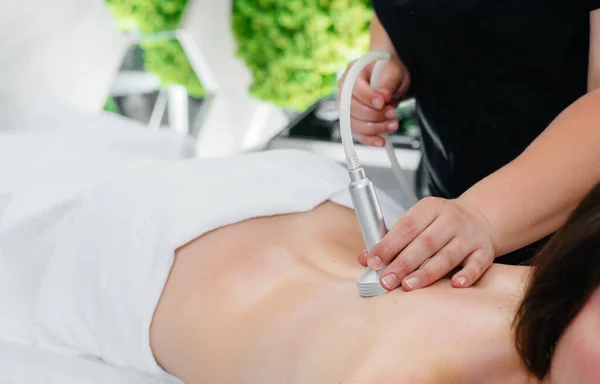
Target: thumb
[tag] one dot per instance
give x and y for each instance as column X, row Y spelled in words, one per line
column 391, row 79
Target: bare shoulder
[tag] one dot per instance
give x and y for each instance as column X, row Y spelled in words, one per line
column 440, row 371
column 504, row 279
column 410, row 373
column 392, row 362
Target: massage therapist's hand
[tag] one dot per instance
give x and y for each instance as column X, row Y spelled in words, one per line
column 373, row 112
column 430, row 240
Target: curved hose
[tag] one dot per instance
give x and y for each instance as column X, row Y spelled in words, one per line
column 346, row 100
column 346, row 130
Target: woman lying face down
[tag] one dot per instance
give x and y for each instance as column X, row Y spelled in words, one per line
column 262, row 288
column 279, row 304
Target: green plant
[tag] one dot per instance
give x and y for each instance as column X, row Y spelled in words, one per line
column 111, row 106
column 295, row 48
column 167, row 60
column 147, row 16
column 164, row 58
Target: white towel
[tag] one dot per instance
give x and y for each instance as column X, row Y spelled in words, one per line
column 28, row 365
column 89, row 238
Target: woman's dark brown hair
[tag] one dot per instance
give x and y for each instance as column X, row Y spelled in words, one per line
column 566, row 273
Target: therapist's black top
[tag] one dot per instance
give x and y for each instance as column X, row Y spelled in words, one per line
column 489, row 76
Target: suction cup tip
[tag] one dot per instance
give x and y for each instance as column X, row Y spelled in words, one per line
column 368, row 284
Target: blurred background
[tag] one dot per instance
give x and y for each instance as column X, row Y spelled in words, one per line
column 293, row 49
column 229, row 75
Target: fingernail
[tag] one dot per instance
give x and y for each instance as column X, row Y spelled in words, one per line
column 413, row 282
column 390, row 114
column 378, row 103
column 462, row 281
column 379, row 143
column 364, row 253
column 389, row 280
column 374, row 262
column 393, row 126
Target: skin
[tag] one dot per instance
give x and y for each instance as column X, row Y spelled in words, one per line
column 274, row 300
column 524, row 201
column 577, row 355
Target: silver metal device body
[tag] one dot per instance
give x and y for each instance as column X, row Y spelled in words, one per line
column 366, row 205
column 362, row 191
column 372, row 226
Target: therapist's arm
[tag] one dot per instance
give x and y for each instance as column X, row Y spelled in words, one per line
column 522, row 202
column 533, row 195
column 380, row 40
column 541, row 187
column 594, row 67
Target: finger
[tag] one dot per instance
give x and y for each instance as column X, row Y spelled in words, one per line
column 369, row 96
column 368, row 128
column 427, row 244
column 387, row 95
column 362, row 257
column 375, row 141
column 410, row 225
column 392, row 77
column 448, row 258
column 404, row 85
column 364, row 83
column 476, row 265
column 376, row 99
column 364, row 112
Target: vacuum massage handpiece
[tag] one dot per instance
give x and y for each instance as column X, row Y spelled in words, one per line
column 362, row 191
column 366, row 205
column 372, row 226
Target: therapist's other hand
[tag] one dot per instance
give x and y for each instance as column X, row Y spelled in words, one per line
column 373, row 111
column 431, row 240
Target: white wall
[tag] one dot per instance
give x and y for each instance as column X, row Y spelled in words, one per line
column 234, row 120
column 69, row 50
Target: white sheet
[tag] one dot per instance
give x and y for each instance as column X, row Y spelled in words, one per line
column 89, row 233
column 40, row 170
column 28, row 365
column 29, row 144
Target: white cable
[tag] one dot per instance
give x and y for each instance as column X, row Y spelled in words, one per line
column 345, row 129
column 346, row 101
column 400, row 174
column 389, row 146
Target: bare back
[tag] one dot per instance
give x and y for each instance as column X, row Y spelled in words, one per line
column 274, row 300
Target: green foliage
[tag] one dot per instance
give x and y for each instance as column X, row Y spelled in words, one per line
column 167, row 60
column 295, row 48
column 147, row 16
column 111, row 106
